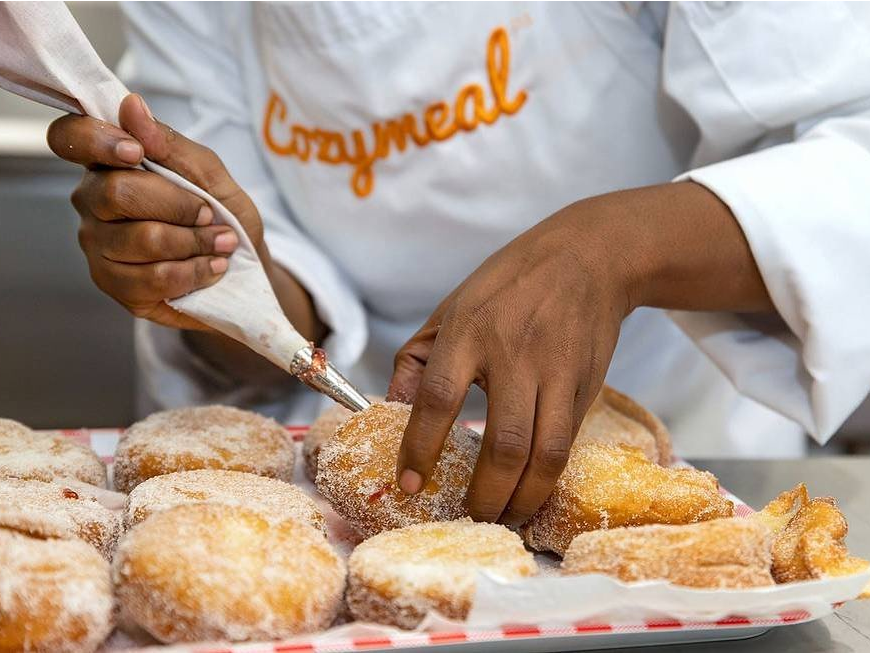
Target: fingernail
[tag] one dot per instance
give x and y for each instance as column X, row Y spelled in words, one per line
column 226, row 242
column 410, row 481
column 219, row 265
column 205, row 216
column 145, row 107
column 128, row 151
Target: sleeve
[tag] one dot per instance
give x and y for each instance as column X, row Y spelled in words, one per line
column 781, row 97
column 182, row 58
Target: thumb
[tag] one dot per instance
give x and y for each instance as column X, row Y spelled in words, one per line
column 165, row 146
column 409, row 365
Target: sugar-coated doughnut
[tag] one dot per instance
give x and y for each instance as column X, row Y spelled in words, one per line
column 321, row 430
column 398, row 576
column 204, row 572
column 607, row 486
column 357, row 469
column 53, row 510
column 25, row 453
column 614, row 418
column 55, row 595
column 205, row 437
column 717, row 554
column 275, row 500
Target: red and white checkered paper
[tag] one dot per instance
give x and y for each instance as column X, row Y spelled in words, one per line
column 641, row 622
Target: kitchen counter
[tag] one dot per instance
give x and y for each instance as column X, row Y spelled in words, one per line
column 847, row 479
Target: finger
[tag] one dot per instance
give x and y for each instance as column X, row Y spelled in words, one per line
column 141, row 286
column 551, row 445
column 507, row 441
column 138, row 195
column 90, row 142
column 409, row 365
column 147, row 241
column 167, row 147
column 449, row 372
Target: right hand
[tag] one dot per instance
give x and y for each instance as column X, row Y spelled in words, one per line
column 147, row 240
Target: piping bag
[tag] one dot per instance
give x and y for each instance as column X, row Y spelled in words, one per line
column 45, row 57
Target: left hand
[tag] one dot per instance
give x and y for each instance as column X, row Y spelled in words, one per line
column 536, row 324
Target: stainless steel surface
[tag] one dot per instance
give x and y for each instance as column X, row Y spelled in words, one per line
column 323, row 377
column 756, row 482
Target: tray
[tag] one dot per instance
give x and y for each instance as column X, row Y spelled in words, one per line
column 451, row 636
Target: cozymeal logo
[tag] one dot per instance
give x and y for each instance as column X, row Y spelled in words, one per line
column 440, row 122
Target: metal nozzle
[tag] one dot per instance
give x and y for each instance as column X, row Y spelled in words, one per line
column 311, row 367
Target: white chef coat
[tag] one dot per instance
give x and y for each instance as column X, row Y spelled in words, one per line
column 307, row 105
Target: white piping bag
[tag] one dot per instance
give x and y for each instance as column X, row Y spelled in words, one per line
column 45, row 57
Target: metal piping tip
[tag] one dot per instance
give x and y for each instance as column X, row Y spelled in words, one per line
column 311, row 367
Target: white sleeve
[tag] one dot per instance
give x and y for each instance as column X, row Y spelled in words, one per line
column 182, row 57
column 780, row 93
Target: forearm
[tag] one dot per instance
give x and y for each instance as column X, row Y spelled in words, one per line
column 243, row 364
column 679, row 247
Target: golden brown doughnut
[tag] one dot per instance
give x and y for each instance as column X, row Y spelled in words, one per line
column 606, row 486
column 205, row 437
column 275, row 500
column 717, row 554
column 216, row 572
column 321, row 430
column 53, row 510
column 615, row 418
column 55, row 595
column 398, row 576
column 25, row 453
column 357, row 470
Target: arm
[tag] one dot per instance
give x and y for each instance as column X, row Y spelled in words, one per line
column 536, row 325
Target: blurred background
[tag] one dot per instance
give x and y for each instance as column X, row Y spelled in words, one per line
column 66, row 350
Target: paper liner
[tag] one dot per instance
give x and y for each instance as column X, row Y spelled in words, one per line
column 543, row 606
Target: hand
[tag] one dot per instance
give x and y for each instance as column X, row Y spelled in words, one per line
column 535, row 327
column 147, row 240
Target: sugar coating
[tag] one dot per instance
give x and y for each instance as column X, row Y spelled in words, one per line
column 25, row 453
column 357, row 470
column 717, row 554
column 53, row 510
column 321, row 430
column 606, row 486
column 55, row 595
column 615, row 418
column 275, row 500
column 204, row 572
column 398, row 576
column 204, row 437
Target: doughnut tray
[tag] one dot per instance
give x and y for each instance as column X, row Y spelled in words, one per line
column 442, row 635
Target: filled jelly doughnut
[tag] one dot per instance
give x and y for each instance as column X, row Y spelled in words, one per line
column 205, row 572
column 275, row 500
column 398, row 576
column 205, row 437
column 357, row 469
column 25, row 453
column 55, row 595
column 54, row 510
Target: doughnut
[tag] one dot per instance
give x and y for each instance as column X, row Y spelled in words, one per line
column 607, row 486
column 717, row 554
column 55, row 595
column 615, row 418
column 356, row 472
column 24, row 453
column 273, row 499
column 204, row 572
column 205, row 437
column 398, row 576
column 46, row 509
column 321, row 430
